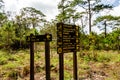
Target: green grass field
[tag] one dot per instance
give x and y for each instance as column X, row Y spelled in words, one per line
column 92, row 65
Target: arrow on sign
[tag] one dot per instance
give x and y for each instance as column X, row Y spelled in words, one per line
column 48, row 37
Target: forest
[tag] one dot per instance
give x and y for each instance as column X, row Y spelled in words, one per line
column 14, row 28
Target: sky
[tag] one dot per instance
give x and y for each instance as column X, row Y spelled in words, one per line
column 49, row 7
column 114, row 2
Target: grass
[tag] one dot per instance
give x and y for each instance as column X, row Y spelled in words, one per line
column 100, row 63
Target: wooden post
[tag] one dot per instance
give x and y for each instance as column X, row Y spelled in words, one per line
column 61, row 66
column 47, row 60
column 75, row 66
column 31, row 59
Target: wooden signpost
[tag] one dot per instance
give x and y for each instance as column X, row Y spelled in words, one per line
column 40, row 38
column 67, row 41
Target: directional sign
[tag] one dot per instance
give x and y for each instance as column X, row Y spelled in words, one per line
column 39, row 38
column 67, row 38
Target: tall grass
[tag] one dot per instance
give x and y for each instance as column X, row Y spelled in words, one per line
column 17, row 64
column 100, row 56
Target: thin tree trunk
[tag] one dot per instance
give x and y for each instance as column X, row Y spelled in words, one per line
column 89, row 16
column 63, row 10
column 105, row 29
column 82, row 25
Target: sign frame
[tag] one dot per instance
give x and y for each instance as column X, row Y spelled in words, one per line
column 40, row 38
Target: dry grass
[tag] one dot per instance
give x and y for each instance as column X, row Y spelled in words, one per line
column 100, row 65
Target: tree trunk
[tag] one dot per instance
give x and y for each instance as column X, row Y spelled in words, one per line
column 82, row 25
column 89, row 13
column 63, row 10
column 105, row 29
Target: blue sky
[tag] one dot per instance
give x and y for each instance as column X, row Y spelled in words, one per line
column 112, row 2
column 116, row 2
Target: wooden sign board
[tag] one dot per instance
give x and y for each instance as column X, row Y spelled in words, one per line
column 67, row 38
column 39, row 38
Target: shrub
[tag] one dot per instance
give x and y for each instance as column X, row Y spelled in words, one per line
column 104, row 58
column 25, row 70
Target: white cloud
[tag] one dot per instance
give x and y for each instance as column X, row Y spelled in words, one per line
column 48, row 7
column 115, row 11
column 10, row 5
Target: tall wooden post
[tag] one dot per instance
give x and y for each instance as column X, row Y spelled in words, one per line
column 31, row 59
column 47, row 60
column 75, row 66
column 61, row 66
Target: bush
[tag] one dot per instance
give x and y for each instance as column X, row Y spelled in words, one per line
column 17, row 44
column 104, row 57
column 97, row 57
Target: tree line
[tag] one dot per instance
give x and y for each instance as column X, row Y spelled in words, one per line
column 13, row 30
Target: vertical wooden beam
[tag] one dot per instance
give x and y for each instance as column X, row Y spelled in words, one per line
column 31, row 59
column 47, row 60
column 75, row 66
column 61, row 66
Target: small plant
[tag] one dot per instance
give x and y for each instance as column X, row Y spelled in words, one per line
column 25, row 70
column 68, row 76
column 3, row 60
column 10, row 66
column 13, row 74
column 103, row 58
column 38, row 68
